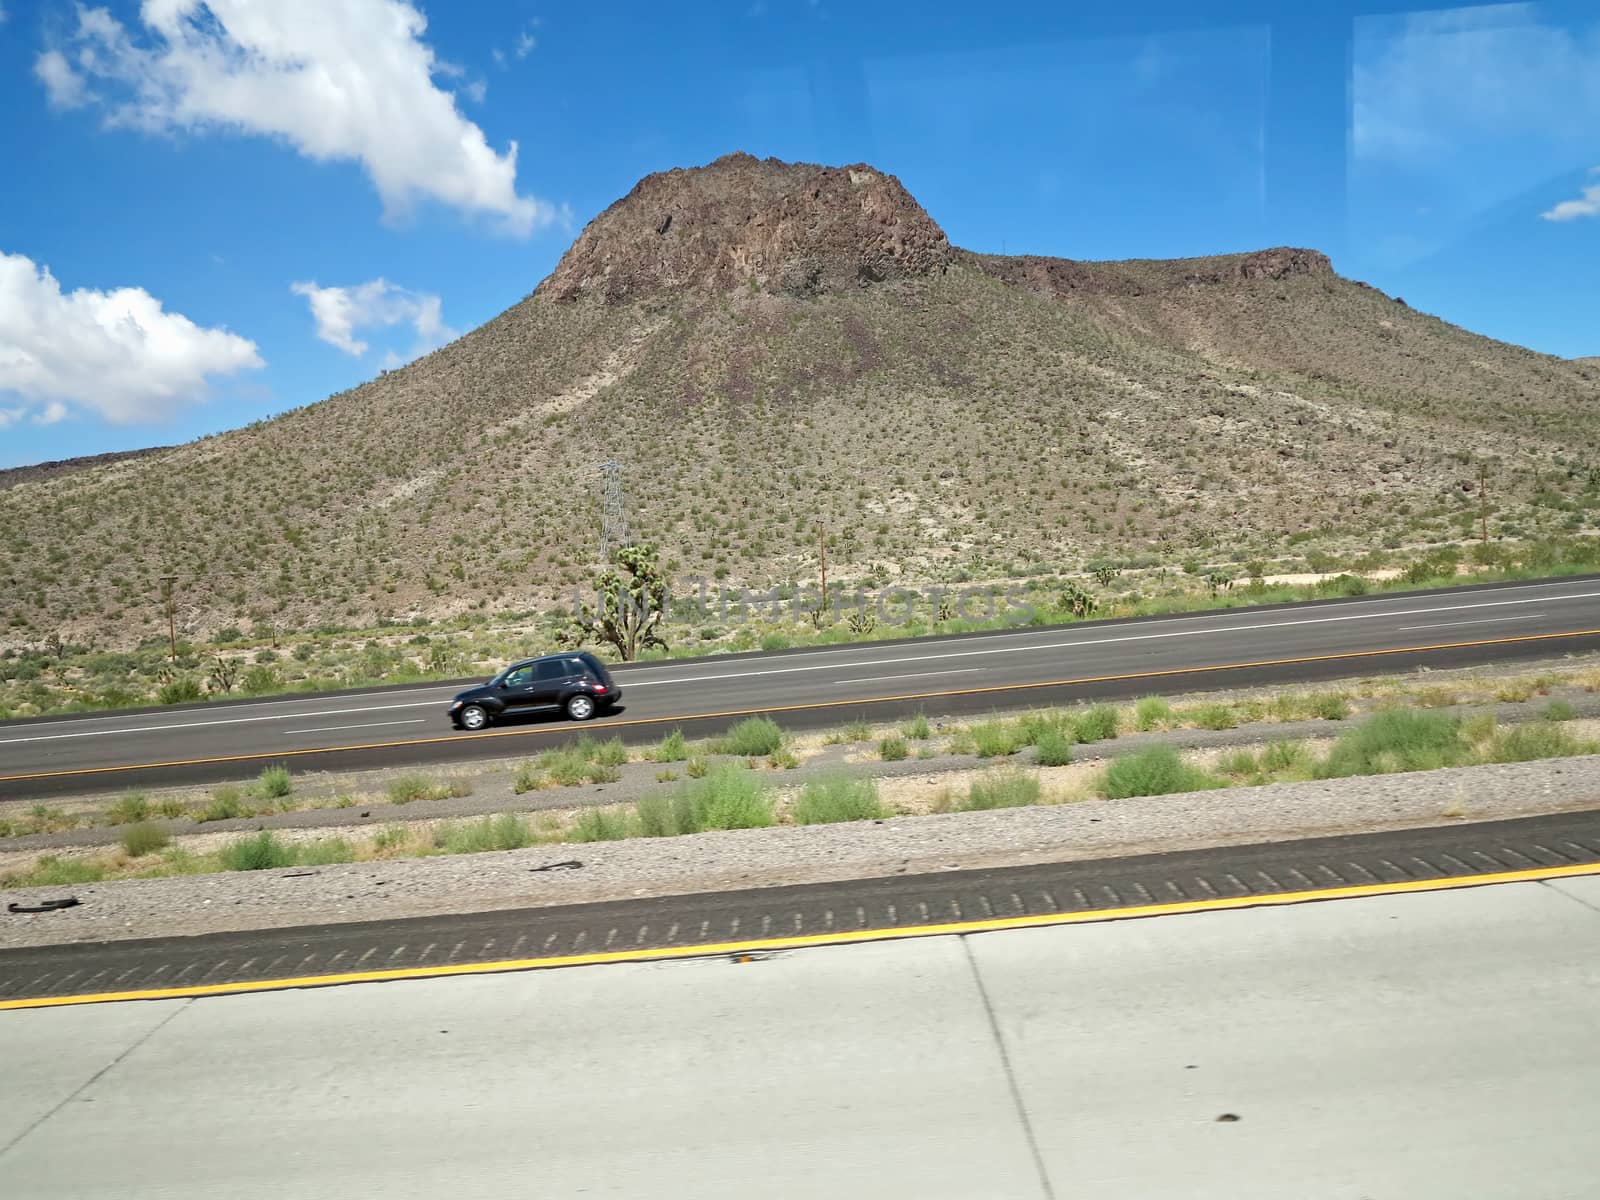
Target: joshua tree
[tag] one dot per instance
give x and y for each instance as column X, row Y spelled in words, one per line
column 629, row 604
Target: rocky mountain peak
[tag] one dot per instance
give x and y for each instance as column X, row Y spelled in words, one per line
column 743, row 222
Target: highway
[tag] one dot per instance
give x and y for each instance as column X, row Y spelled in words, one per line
column 822, row 686
column 1428, row 1046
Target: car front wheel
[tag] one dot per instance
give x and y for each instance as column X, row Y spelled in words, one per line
column 474, row 717
column 580, row 707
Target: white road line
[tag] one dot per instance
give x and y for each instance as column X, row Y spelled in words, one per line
column 368, row 725
column 1212, row 615
column 275, row 702
column 1106, row 641
column 988, row 647
column 1479, row 621
column 331, row 712
column 914, row 675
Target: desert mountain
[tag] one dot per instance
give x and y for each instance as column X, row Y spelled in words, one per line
column 767, row 347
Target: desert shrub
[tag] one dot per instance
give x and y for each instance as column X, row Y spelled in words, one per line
column 1001, row 789
column 135, row 806
column 1285, row 757
column 183, row 690
column 274, row 782
column 258, row 852
column 672, row 748
column 416, row 786
column 53, row 871
column 1534, row 740
column 855, row 731
column 1098, row 724
column 325, row 852
column 1030, row 727
column 1052, row 748
column 260, row 680
column 1154, row 771
column 892, row 749
column 507, row 831
column 226, row 804
column 565, row 766
column 144, row 838
column 1397, row 740
column 1215, row 716
column 726, row 798
column 753, row 737
column 1238, row 764
column 601, row 825
column 1327, row 706
column 995, row 739
column 838, row 798
column 1152, row 712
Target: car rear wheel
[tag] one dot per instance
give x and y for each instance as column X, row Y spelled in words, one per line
column 474, row 717
column 580, row 707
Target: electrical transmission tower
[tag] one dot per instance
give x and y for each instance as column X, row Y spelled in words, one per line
column 614, row 532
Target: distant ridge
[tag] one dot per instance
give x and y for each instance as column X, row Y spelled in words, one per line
column 11, row 476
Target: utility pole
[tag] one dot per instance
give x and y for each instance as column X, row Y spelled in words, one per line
column 170, row 587
column 1483, row 500
column 822, row 554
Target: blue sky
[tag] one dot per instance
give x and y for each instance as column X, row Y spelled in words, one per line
column 215, row 213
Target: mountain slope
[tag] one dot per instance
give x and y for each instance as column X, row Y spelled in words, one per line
column 766, row 347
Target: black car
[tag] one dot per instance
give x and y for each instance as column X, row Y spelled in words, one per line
column 576, row 682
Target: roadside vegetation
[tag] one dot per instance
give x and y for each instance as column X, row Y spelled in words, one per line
column 737, row 791
column 1044, row 737
column 49, row 673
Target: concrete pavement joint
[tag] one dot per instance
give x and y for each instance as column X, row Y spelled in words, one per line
column 95, row 1078
column 1011, row 1075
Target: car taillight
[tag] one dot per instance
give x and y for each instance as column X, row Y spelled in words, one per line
column 599, row 687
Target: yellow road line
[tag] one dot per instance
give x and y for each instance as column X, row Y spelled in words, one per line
column 805, row 941
column 567, row 729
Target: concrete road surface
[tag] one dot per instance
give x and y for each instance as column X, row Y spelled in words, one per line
column 1418, row 1046
column 816, row 686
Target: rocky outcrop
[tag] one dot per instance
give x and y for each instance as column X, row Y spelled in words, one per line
column 743, row 222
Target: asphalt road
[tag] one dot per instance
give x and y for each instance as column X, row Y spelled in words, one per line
column 1430, row 1046
column 823, row 686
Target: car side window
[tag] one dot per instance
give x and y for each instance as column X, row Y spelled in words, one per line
column 520, row 678
column 576, row 666
column 552, row 668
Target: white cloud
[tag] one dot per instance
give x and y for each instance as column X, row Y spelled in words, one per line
column 377, row 304
column 1586, row 205
column 116, row 353
column 1524, row 79
column 62, row 85
column 339, row 80
column 526, row 44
